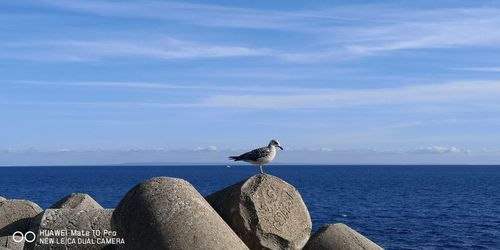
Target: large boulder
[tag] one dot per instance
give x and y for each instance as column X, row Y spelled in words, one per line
column 265, row 211
column 2, row 198
column 73, row 229
column 77, row 201
column 168, row 213
column 7, row 242
column 339, row 237
column 16, row 215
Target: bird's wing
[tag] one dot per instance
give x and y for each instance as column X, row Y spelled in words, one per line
column 255, row 154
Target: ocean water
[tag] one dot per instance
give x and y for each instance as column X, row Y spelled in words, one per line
column 398, row 207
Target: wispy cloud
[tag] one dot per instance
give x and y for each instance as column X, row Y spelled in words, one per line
column 480, row 69
column 482, row 91
column 202, row 14
column 420, row 150
column 330, row 34
column 85, row 50
column 439, row 150
column 428, row 34
column 207, row 149
column 247, row 88
column 335, row 33
column 482, row 94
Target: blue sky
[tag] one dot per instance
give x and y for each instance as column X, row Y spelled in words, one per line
column 90, row 82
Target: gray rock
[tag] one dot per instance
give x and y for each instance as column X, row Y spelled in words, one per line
column 16, row 215
column 168, row 213
column 76, row 229
column 265, row 211
column 339, row 237
column 77, row 201
column 7, row 242
column 2, row 198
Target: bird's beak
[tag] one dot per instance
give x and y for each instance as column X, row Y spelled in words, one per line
column 280, row 147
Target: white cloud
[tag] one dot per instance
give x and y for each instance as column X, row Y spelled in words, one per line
column 332, row 34
column 199, row 14
column 427, row 34
column 342, row 32
column 421, row 150
column 481, row 91
column 480, row 69
column 88, row 50
column 439, row 150
column 209, row 148
column 165, row 86
column 483, row 94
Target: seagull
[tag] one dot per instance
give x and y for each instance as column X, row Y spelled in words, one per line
column 259, row 156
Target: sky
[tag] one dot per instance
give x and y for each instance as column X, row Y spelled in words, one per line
column 336, row 82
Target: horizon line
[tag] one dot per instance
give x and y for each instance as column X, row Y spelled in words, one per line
column 241, row 164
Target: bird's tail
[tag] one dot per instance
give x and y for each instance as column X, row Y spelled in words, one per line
column 235, row 158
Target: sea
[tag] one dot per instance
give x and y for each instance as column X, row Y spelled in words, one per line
column 398, row 207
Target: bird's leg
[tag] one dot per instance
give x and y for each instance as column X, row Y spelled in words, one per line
column 261, row 170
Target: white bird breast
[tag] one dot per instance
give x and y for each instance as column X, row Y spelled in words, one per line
column 268, row 158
